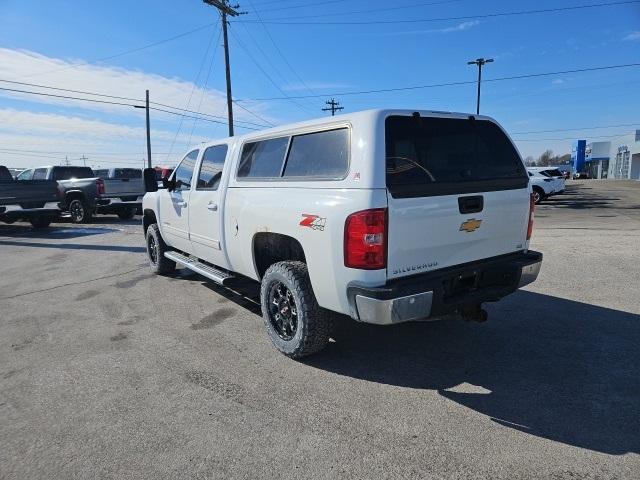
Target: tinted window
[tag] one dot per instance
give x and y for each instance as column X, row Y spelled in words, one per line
column 321, row 154
column 127, row 173
column 104, row 173
column 211, row 167
column 26, row 175
column 184, row 172
column 554, row 172
column 66, row 173
column 40, row 174
column 444, row 156
column 263, row 159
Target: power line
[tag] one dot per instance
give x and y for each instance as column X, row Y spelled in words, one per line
column 307, row 5
column 277, row 21
column 126, row 52
column 69, row 97
column 449, row 84
column 578, row 129
column 236, row 103
column 266, row 57
column 193, row 89
column 372, row 10
column 93, row 100
column 123, row 98
column 71, row 91
column 280, row 51
column 206, row 82
column 264, row 72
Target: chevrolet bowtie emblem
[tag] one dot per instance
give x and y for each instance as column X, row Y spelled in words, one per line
column 470, row 225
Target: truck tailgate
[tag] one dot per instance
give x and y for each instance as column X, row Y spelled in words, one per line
column 123, row 188
column 431, row 232
column 457, row 192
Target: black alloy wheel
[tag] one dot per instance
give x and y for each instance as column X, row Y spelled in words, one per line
column 283, row 313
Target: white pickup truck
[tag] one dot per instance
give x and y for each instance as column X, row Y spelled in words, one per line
column 386, row 216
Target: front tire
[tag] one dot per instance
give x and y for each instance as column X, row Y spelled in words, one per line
column 79, row 211
column 296, row 324
column 156, row 248
column 126, row 213
column 40, row 222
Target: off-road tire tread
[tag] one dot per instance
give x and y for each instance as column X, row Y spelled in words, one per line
column 318, row 321
column 164, row 265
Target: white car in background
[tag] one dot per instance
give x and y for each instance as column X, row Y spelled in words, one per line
column 553, row 173
column 542, row 185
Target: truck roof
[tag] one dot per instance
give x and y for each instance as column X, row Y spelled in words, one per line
column 364, row 116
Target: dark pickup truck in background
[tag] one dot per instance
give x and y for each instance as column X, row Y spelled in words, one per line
column 34, row 201
column 85, row 194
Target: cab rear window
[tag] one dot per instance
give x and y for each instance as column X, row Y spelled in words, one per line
column 428, row 156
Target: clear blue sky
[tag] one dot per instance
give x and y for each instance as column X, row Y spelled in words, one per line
column 40, row 42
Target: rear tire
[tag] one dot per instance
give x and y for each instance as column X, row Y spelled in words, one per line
column 156, row 248
column 126, row 213
column 295, row 322
column 79, row 211
column 40, row 222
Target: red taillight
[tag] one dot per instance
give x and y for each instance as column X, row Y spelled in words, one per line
column 365, row 239
column 100, row 185
column 532, row 208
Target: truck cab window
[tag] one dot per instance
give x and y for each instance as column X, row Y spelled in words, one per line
column 40, row 174
column 26, row 175
column 211, row 167
column 184, row 172
column 263, row 159
column 319, row 155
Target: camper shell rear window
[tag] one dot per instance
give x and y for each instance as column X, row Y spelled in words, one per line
column 428, row 156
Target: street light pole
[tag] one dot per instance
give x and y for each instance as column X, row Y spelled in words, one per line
column 479, row 62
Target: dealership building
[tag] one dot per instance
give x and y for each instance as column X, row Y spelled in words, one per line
column 618, row 158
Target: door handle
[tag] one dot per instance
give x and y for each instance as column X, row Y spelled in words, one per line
column 181, row 204
column 212, row 206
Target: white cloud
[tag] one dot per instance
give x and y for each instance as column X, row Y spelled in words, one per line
column 632, row 36
column 558, row 81
column 31, row 67
column 30, row 139
column 460, row 27
column 100, row 131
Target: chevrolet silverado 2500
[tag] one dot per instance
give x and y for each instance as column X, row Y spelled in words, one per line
column 386, row 216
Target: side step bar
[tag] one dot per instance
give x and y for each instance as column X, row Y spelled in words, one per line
column 218, row 276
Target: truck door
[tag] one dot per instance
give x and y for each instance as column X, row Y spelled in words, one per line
column 174, row 205
column 205, row 214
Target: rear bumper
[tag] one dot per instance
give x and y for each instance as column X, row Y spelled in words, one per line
column 443, row 292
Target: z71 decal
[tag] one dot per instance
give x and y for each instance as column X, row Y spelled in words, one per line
column 314, row 222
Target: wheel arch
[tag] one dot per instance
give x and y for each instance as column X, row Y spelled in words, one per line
column 268, row 248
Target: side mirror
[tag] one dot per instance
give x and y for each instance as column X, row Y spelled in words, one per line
column 150, row 182
column 168, row 184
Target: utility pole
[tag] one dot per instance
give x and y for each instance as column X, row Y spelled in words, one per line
column 148, row 131
column 333, row 106
column 84, row 160
column 225, row 9
column 146, row 107
column 479, row 62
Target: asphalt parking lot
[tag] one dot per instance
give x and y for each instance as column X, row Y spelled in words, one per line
column 107, row 371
